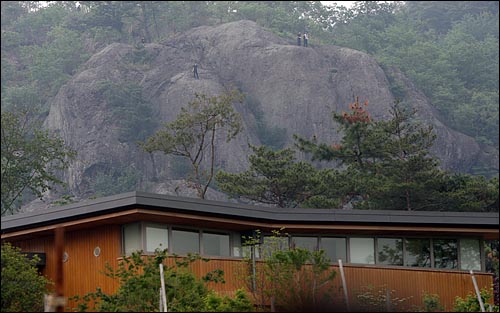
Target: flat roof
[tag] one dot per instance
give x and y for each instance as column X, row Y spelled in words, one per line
column 166, row 203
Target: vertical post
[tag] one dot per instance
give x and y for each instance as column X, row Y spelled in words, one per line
column 344, row 286
column 59, row 279
column 478, row 294
column 254, row 274
column 161, row 300
column 56, row 302
column 163, row 291
column 388, row 303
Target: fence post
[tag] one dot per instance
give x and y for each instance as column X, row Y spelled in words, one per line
column 163, row 291
column 388, row 300
column 341, row 268
column 478, row 294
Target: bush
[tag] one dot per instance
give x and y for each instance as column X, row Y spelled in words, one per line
column 292, row 279
column 23, row 288
column 471, row 304
column 139, row 279
column 379, row 299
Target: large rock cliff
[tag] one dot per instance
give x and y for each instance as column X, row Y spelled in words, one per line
column 293, row 89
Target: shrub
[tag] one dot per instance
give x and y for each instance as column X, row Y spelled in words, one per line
column 379, row 299
column 471, row 303
column 23, row 288
column 139, row 278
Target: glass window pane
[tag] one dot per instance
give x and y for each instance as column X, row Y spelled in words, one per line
column 236, row 240
column 132, row 238
column 445, row 253
column 215, row 244
column 309, row 243
column 185, row 241
column 156, row 237
column 418, row 252
column 470, row 255
column 390, row 251
column 272, row 243
column 335, row 248
column 362, row 250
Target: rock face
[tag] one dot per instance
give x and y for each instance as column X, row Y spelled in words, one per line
column 294, row 89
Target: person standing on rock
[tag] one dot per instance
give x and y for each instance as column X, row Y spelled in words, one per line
column 298, row 39
column 306, row 39
column 195, row 71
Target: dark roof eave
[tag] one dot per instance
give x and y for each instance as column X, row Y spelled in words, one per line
column 243, row 212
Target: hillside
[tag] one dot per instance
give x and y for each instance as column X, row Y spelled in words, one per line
column 290, row 90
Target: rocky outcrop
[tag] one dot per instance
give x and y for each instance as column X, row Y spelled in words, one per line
column 294, row 89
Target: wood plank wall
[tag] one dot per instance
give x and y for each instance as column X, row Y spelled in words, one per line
column 82, row 271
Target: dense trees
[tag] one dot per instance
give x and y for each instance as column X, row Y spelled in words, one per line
column 31, row 158
column 274, row 177
column 384, row 165
column 388, row 165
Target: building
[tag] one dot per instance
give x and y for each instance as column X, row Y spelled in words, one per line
column 409, row 252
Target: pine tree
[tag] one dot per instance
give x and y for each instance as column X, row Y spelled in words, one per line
column 387, row 162
column 274, row 177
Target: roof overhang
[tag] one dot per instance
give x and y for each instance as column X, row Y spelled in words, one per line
column 136, row 206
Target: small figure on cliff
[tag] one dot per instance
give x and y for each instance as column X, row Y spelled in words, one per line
column 298, row 39
column 306, row 38
column 195, row 71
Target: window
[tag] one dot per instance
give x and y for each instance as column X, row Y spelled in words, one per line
column 156, row 237
column 236, row 241
column 418, row 252
column 132, row 238
column 215, row 244
column 390, row 251
column 445, row 253
column 309, row 243
column 185, row 241
column 335, row 248
column 362, row 250
column 271, row 244
column 470, row 255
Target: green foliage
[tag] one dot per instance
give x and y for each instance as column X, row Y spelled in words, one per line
column 53, row 63
column 272, row 136
column 31, row 158
column 116, row 181
column 139, row 278
column 22, row 99
column 192, row 134
column 23, row 288
column 464, row 192
column 379, row 299
column 141, row 56
column 448, row 49
column 131, row 111
column 274, row 177
column 471, row 303
column 387, row 165
column 431, row 303
column 240, row 303
column 294, row 279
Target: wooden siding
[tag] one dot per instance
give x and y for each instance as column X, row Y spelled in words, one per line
column 82, row 271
